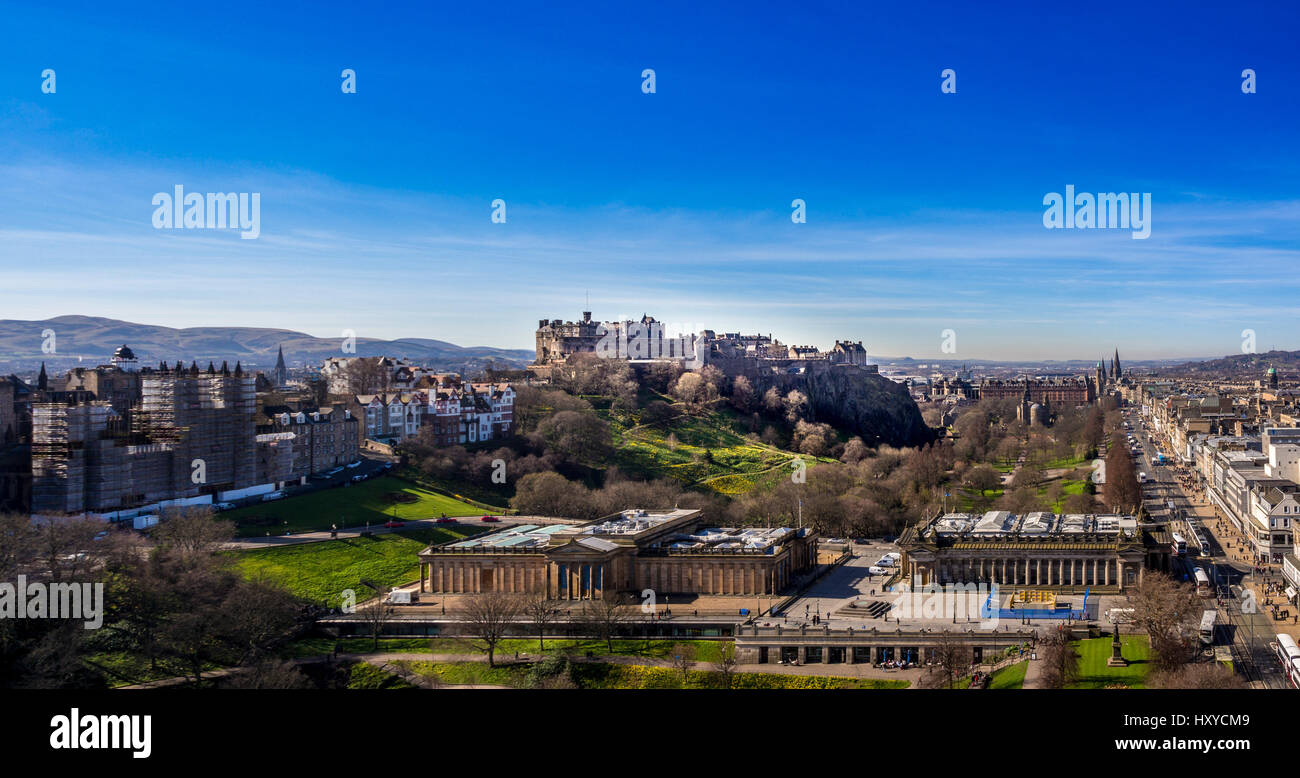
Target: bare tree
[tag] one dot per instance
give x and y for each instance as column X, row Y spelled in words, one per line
column 1060, row 660
column 1122, row 492
column 192, row 531
column 952, row 659
column 65, row 545
column 602, row 618
column 683, row 659
column 725, row 665
column 489, row 616
column 1165, row 608
column 1199, row 675
column 269, row 674
column 18, row 543
column 376, row 615
column 541, row 613
column 367, row 375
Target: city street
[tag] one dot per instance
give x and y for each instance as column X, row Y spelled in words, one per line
column 1229, row 566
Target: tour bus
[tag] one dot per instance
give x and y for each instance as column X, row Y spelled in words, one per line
column 1202, row 582
column 1179, row 546
column 1289, row 655
column 1207, row 627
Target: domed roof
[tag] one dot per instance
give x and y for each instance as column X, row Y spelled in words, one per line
column 1272, row 371
column 124, row 352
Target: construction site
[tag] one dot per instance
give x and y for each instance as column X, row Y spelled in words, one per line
column 192, row 436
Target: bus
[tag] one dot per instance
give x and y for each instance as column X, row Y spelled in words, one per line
column 1179, row 546
column 1289, row 655
column 1207, row 627
column 1202, row 582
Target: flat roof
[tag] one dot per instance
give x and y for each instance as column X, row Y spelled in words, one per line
column 633, row 522
column 521, row 536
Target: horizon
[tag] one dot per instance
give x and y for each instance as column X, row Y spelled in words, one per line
column 375, row 207
column 974, row 360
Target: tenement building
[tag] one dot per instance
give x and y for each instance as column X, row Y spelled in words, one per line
column 669, row 551
column 1041, row 550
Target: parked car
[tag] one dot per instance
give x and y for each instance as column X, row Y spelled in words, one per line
column 225, row 506
column 445, row 520
column 394, row 523
column 878, row 570
column 489, row 518
column 356, row 479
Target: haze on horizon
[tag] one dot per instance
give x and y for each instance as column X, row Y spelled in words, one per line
column 924, row 210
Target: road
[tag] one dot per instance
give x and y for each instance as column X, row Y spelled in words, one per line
column 1251, row 633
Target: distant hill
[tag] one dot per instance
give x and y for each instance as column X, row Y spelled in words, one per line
column 94, row 339
column 1286, row 362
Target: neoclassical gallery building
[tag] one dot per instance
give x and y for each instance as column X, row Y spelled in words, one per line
column 668, row 551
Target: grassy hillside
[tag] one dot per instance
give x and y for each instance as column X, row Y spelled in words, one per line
column 376, row 501
column 712, row 451
column 320, row 572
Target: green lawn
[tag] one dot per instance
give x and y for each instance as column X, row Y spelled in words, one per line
column 1094, row 672
column 321, row 571
column 1010, row 677
column 364, row 676
column 375, row 501
column 125, row 668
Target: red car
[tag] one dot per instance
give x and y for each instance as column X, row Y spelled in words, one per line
column 445, row 520
column 395, row 523
column 489, row 518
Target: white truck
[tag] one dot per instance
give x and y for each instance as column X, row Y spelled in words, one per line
column 1142, row 477
column 145, row 522
column 398, row 597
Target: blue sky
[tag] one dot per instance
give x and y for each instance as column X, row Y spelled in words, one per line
column 924, row 209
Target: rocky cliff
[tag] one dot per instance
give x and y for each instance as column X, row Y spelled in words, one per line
column 859, row 401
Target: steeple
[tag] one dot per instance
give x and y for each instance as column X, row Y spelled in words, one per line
column 42, row 380
column 1118, row 371
column 281, row 370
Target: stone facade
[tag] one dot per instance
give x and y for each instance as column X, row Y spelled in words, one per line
column 669, row 552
